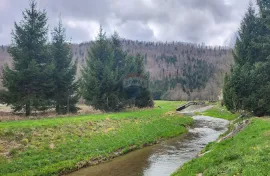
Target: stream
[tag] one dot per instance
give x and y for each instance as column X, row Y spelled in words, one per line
column 165, row 158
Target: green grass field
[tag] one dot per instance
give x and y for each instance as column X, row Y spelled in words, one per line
column 220, row 112
column 52, row 146
column 248, row 154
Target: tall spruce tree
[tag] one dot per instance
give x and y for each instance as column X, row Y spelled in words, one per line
column 140, row 94
column 99, row 80
column 144, row 99
column 261, row 73
column 29, row 81
column 119, row 68
column 244, row 50
column 247, row 87
column 66, row 86
column 103, row 75
column 238, row 85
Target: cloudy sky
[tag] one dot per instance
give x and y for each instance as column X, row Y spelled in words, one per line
column 213, row 22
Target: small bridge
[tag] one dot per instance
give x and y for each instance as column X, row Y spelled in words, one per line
column 189, row 104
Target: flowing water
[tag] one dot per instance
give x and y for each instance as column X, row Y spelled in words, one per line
column 165, row 158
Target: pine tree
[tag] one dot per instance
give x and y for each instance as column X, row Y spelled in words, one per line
column 141, row 95
column 125, row 65
column 106, row 68
column 264, row 6
column 238, row 85
column 65, row 94
column 261, row 73
column 29, row 81
column 263, row 40
column 247, row 87
column 99, row 79
column 244, row 50
column 119, row 68
column 228, row 94
column 257, row 75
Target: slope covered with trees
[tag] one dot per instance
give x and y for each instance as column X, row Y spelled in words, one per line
column 166, row 64
column 177, row 70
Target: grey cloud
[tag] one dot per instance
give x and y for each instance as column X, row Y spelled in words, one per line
column 162, row 20
column 218, row 9
column 136, row 30
column 78, row 9
column 76, row 35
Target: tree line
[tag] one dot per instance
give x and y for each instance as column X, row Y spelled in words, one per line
column 43, row 75
column 194, row 75
column 247, row 87
column 167, row 61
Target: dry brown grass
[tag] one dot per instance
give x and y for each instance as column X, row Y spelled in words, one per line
column 85, row 109
column 6, row 113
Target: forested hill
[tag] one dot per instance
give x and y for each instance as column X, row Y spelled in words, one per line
column 177, row 70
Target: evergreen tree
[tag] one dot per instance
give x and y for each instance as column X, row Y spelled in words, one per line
column 228, row 94
column 99, row 79
column 65, row 92
column 141, row 94
column 261, row 72
column 244, row 50
column 29, row 81
column 237, row 85
column 264, row 6
column 247, row 87
column 125, row 65
column 119, row 68
column 103, row 76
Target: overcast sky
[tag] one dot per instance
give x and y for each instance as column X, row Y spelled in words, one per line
column 213, row 22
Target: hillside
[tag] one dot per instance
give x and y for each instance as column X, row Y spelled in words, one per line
column 177, row 70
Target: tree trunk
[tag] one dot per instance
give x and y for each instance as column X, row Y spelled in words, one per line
column 28, row 108
column 57, row 108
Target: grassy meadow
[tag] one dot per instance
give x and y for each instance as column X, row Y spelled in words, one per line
column 60, row 145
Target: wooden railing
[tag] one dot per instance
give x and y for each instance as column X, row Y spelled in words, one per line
column 189, row 104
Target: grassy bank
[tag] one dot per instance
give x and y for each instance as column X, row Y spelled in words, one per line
column 248, row 153
column 220, row 112
column 52, row 146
